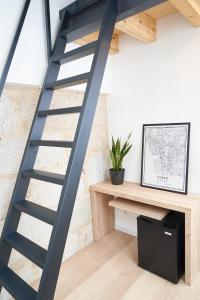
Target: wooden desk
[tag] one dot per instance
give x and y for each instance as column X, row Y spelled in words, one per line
column 104, row 217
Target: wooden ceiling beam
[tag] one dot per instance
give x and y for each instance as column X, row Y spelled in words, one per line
column 162, row 11
column 140, row 26
column 190, row 9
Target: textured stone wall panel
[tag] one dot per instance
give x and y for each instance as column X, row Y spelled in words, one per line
column 17, row 106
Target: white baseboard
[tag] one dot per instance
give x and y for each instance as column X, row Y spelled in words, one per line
column 132, row 232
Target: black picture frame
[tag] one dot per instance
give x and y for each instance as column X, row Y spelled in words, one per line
column 186, row 165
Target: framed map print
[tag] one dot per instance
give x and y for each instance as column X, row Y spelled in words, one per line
column 165, row 155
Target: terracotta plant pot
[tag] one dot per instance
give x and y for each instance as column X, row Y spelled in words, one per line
column 117, row 177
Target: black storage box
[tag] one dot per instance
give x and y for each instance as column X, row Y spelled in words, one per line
column 161, row 245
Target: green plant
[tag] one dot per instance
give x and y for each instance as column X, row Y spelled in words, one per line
column 118, row 152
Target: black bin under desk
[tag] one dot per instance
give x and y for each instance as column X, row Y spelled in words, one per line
column 161, row 245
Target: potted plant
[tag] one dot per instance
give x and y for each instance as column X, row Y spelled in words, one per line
column 117, row 154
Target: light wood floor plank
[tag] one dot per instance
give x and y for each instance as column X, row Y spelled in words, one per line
column 85, row 263
column 100, row 286
column 107, row 270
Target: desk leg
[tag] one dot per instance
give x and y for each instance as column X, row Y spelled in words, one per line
column 188, row 249
column 192, row 247
column 103, row 216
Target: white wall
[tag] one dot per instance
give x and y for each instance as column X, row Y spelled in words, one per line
column 63, row 3
column 158, row 82
column 29, row 63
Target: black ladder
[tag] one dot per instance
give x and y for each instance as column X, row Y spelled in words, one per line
column 50, row 260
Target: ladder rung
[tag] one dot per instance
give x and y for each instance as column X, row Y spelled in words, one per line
column 75, row 54
column 39, row 212
column 63, row 144
column 16, row 286
column 64, row 83
column 44, row 176
column 29, row 249
column 60, row 111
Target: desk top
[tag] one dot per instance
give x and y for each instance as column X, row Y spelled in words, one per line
column 133, row 191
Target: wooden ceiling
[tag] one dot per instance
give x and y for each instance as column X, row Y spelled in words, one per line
column 143, row 26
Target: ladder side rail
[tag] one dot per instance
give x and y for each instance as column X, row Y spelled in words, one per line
column 30, row 154
column 13, row 46
column 69, row 191
column 48, row 28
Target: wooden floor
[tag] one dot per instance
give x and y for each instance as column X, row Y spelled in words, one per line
column 107, row 270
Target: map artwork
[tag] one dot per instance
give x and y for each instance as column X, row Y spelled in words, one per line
column 165, row 156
